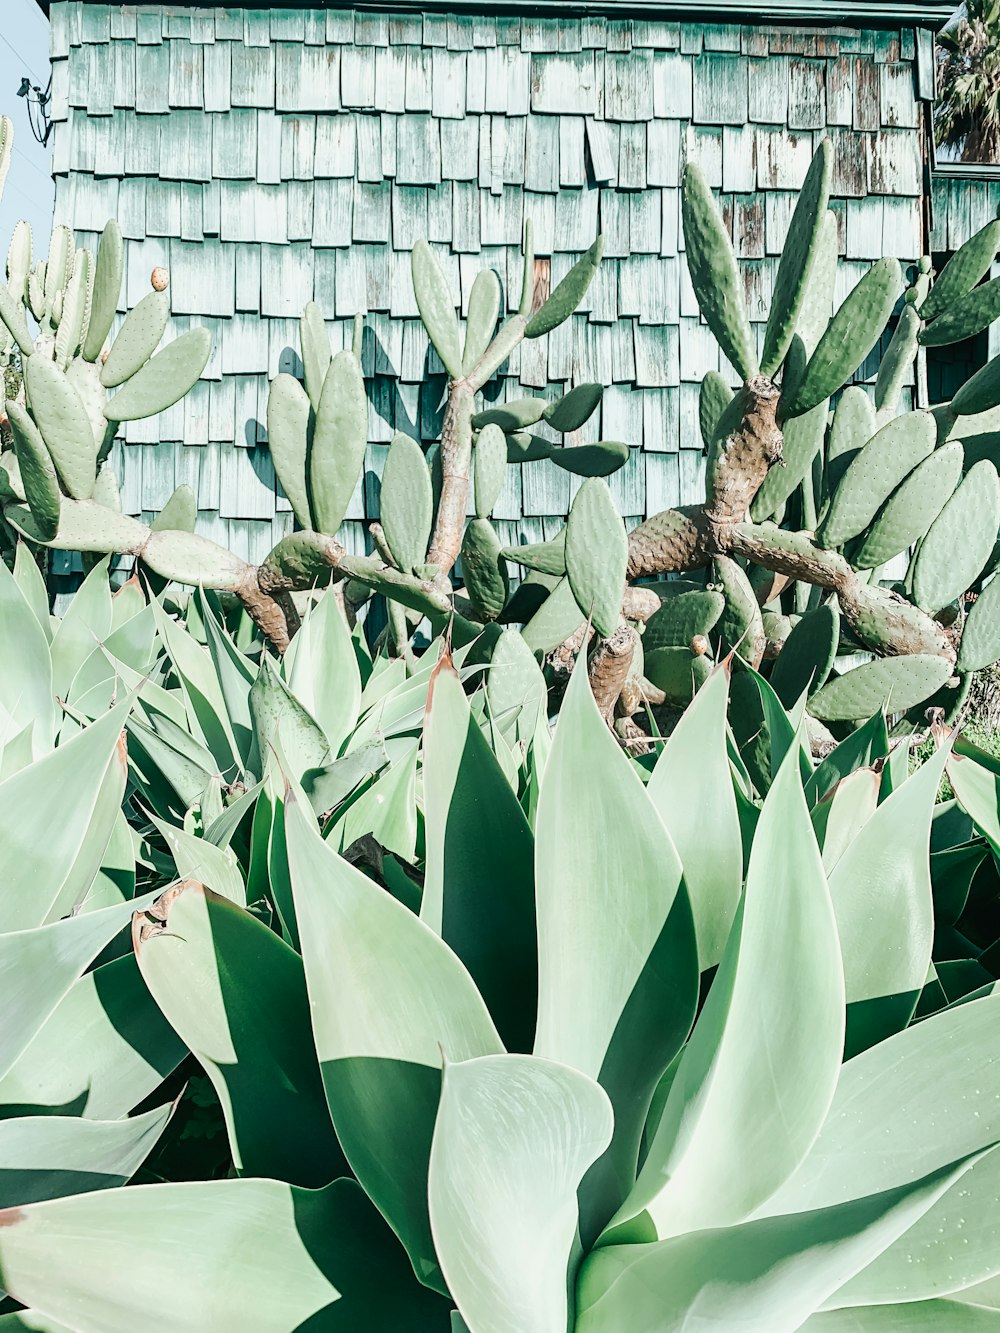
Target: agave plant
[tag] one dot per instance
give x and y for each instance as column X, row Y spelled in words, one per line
column 570, row 1058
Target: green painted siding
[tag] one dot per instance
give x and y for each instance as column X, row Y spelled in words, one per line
column 270, row 157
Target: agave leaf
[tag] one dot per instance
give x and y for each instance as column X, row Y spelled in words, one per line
column 26, row 694
column 197, row 858
column 881, row 892
column 235, row 675
column 51, row 861
column 280, row 717
column 48, row 1157
column 292, row 1257
column 324, row 673
column 387, row 996
column 692, row 791
column 760, row 1069
column 31, row 582
column 236, row 995
column 537, row 1126
column 479, row 887
column 977, row 787
column 843, row 813
column 387, row 811
column 765, row 1275
column 859, row 750
column 617, row 967
column 204, row 700
column 39, row 966
column 908, row 1317
column 86, row 623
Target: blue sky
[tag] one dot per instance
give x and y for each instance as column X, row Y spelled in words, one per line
column 24, row 49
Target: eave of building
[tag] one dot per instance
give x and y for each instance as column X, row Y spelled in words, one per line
column 864, row 13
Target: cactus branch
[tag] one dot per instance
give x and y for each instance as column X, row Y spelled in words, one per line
column 456, row 464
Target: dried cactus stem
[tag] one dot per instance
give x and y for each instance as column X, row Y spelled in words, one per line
column 456, row 465
column 608, row 667
column 746, row 457
column 274, row 614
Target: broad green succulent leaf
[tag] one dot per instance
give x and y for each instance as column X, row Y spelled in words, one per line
column 387, row 811
column 897, row 683
column 568, row 294
column 881, row 892
column 196, row 858
column 490, row 463
column 977, row 311
column 39, row 966
column 859, row 750
column 802, row 242
column 387, row 997
column 288, row 416
column 908, row 1317
column 980, row 645
column 204, row 698
column 62, row 419
column 87, row 622
column 291, row 1258
column 591, row 460
column 26, row 695
column 324, row 674
column 536, row 1126
column 962, row 271
column 931, row 1092
column 316, row 354
column 437, row 310
column 48, row 1157
column 479, row 885
column 515, row 682
column 137, row 339
column 715, row 276
column 977, row 786
column 340, row 437
column 31, row 582
column 108, row 273
column 236, row 996
column 807, row 655
column 407, row 502
column 960, row 541
column 235, row 677
column 692, row 791
column 617, row 958
column 596, row 555
column 842, row 814
column 38, row 473
column 569, row 412
column 51, row 862
column 162, row 381
column 913, row 507
column 280, row 716
column 758, row 1074
column 481, row 322
column 765, row 1275
column 103, row 1049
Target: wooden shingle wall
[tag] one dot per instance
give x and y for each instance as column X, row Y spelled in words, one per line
column 270, row 157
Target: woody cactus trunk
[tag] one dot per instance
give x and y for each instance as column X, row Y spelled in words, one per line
column 803, row 506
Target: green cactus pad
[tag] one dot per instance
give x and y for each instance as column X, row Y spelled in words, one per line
column 677, row 672
column 777, row 628
column 807, row 654
column 714, row 397
column 107, row 491
column 185, row 557
column 38, row 474
column 407, row 504
column 740, row 626
column 715, row 276
column 729, row 420
column 12, row 314
column 490, row 468
column 180, row 512
column 340, row 437
column 84, row 526
column 896, row 362
column 853, row 426
column 981, row 392
column 19, row 259
column 481, row 321
column 591, row 460
column 896, row 683
column 569, row 412
column 960, row 540
column 288, row 418
column 137, row 339
column 912, row 507
column 568, row 294
column 682, row 617
column 817, row 301
column 523, row 447
column 164, row 380
column 484, row 569
column 59, row 265
column 546, row 557
column 555, row 620
column 512, row 416
column 850, row 336
column 596, row 555
column 108, row 274
column 77, row 300
column 436, row 307
column 316, row 355
column 803, row 439
column 515, row 682
column 36, row 291
column 795, row 269
column 889, row 456
column 301, row 558
column 980, row 646
column 970, row 316
column 963, row 271
column 61, row 417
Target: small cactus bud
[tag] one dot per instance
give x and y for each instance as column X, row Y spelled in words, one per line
column 104, row 356
column 924, row 264
column 699, row 645
column 911, row 296
column 159, row 278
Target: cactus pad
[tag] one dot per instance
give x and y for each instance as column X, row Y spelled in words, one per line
column 913, row 507
column 569, row 412
column 512, row 416
column 481, row 321
column 137, row 339
column 980, row 646
column 715, row 276
column 896, row 683
column 38, row 475
column 960, row 541
column 108, row 274
column 546, row 557
column 437, row 310
column 179, row 514
column 316, row 355
column 340, row 437
column 490, row 468
column 61, row 417
column 568, row 294
column 682, row 617
column 288, row 419
column 596, row 555
column 484, row 569
column 970, row 316
column 591, row 460
column 807, row 654
column 164, row 380
column 890, row 455
column 963, row 271
column 407, row 503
